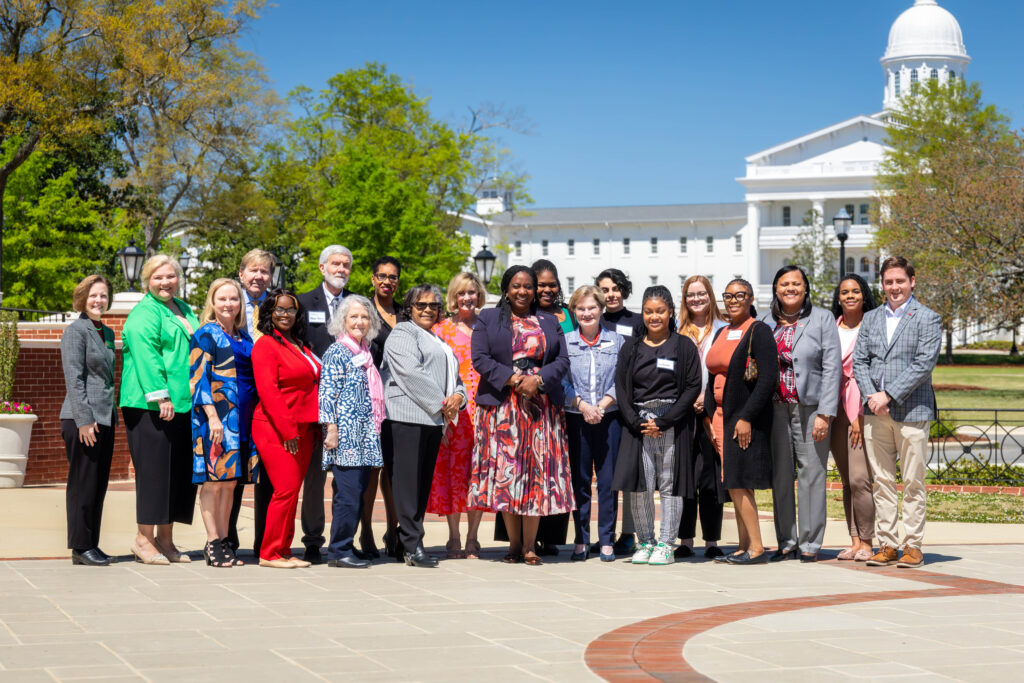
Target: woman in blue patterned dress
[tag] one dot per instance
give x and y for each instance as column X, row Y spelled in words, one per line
column 351, row 411
column 223, row 400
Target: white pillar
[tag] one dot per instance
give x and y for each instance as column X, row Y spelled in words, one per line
column 753, row 244
column 818, row 206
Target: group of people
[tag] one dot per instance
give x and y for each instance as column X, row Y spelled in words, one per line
column 449, row 407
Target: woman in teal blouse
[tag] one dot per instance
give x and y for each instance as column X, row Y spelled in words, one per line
column 156, row 401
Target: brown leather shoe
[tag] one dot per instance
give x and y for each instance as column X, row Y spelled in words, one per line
column 885, row 557
column 911, row 558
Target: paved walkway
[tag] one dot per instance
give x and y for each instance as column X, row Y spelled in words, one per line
column 960, row 618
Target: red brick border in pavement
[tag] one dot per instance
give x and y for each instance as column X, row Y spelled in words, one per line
column 653, row 649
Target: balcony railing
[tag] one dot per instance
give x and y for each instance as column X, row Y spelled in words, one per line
column 36, row 315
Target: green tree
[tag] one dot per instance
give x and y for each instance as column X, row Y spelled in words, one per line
column 814, row 250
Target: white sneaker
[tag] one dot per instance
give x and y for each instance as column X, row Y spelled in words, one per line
column 643, row 553
column 662, row 554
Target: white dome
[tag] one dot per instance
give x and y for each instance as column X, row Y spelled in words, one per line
column 925, row 30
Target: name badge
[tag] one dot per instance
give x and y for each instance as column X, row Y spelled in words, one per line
column 360, row 360
column 317, row 317
column 733, row 335
column 624, row 330
column 665, row 364
column 607, row 344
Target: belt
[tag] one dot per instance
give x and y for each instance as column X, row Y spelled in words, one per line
column 525, row 363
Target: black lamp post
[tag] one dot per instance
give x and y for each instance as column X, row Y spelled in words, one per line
column 185, row 260
column 131, row 258
column 278, row 277
column 842, row 222
column 484, row 261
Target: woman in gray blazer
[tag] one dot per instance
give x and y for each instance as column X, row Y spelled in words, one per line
column 422, row 394
column 810, row 367
column 88, row 417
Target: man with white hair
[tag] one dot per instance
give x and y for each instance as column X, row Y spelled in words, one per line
column 320, row 304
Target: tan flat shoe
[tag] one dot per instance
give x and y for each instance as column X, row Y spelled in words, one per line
column 299, row 564
column 279, row 563
column 141, row 558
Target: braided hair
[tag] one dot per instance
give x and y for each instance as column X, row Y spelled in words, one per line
column 504, row 307
column 661, row 293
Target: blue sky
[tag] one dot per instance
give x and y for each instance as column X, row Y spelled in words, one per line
column 652, row 104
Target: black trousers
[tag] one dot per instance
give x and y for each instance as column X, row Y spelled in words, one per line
column 348, row 484
column 706, row 504
column 313, row 518
column 162, row 455
column 410, row 465
column 262, row 492
column 88, row 474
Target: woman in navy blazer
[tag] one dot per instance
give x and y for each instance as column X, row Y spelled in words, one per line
column 520, row 456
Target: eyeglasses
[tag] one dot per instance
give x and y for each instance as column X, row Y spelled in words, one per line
column 422, row 306
column 696, row 296
column 738, row 297
column 285, row 311
column 384, row 277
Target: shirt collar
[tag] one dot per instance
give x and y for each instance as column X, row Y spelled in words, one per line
column 255, row 301
column 898, row 313
column 578, row 334
column 327, row 293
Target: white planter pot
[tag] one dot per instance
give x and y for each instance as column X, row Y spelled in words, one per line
column 15, row 434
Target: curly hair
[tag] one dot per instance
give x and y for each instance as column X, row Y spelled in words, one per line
column 266, row 324
column 544, row 266
column 865, row 290
column 619, row 278
column 416, row 293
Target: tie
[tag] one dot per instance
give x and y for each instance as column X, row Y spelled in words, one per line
column 335, row 302
column 253, row 320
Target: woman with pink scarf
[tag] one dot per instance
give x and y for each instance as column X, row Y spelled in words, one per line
column 351, row 412
column 852, row 299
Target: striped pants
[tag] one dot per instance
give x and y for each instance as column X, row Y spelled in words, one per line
column 658, row 460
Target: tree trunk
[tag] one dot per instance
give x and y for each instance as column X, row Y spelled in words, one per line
column 949, row 345
column 1013, row 345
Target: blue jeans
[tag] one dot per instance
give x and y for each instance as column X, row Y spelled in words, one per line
column 593, row 450
column 346, row 506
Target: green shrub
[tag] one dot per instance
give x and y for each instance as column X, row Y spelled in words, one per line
column 991, row 344
column 973, row 473
column 8, row 353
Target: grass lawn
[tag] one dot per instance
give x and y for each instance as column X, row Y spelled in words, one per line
column 942, row 507
column 1000, row 387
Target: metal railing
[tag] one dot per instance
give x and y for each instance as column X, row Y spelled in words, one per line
column 976, row 446
column 36, row 315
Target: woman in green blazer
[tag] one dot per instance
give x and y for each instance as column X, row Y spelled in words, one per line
column 156, row 401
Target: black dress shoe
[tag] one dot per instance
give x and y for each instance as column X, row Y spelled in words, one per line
column 781, row 555
column 595, row 548
column 745, row 558
column 683, row 551
column 580, row 556
column 625, row 545
column 312, row 555
column 103, row 554
column 713, row 552
column 420, row 559
column 349, row 562
column 808, row 558
column 547, row 549
column 92, row 557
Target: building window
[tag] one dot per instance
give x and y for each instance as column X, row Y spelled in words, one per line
column 851, row 209
column 865, row 265
column 896, row 82
column 913, row 81
column 625, row 245
column 682, row 245
column 935, row 74
column 682, row 281
column 739, row 243
column 711, row 279
column 787, row 216
column 543, row 247
column 865, row 214
column 597, row 246
column 654, row 245
column 572, row 283
column 709, row 244
column 654, row 280
column 850, row 263
column 952, row 75
column 519, row 248
column 572, row 247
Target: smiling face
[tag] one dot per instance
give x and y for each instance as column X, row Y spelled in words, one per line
column 898, row 286
column 588, row 312
column 657, row 314
column 791, row 291
column 285, row 310
column 226, row 304
column 336, row 270
column 255, row 278
column 467, row 299
column 520, row 293
column 426, row 310
column 612, row 295
column 385, row 281
column 697, row 299
column 737, row 302
column 97, row 300
column 547, row 289
column 357, row 322
column 850, row 296
column 163, row 283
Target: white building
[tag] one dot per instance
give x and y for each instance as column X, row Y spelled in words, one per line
column 813, row 175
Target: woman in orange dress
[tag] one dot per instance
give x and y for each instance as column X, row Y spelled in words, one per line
column 449, row 491
column 741, row 410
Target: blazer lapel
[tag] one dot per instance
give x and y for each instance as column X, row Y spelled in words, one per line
column 801, row 325
column 908, row 313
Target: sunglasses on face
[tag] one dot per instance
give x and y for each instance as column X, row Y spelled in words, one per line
column 422, row 306
column 738, row 297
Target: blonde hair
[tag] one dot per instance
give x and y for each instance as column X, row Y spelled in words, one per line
column 208, row 315
column 458, row 284
column 257, row 255
column 159, row 261
column 582, row 293
column 82, row 289
column 686, row 326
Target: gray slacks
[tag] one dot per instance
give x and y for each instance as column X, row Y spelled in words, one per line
column 792, row 443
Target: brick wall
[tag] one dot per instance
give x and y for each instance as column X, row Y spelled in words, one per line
column 40, row 383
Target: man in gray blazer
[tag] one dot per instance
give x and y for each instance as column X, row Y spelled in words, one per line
column 896, row 351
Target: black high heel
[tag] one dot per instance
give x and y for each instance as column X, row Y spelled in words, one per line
column 213, row 552
column 229, row 554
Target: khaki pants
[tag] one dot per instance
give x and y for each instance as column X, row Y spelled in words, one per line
column 884, row 441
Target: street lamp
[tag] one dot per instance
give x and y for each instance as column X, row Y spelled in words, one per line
column 185, row 260
column 842, row 222
column 277, row 279
column 484, row 261
column 131, row 263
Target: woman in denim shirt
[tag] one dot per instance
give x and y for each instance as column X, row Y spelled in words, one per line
column 592, row 419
